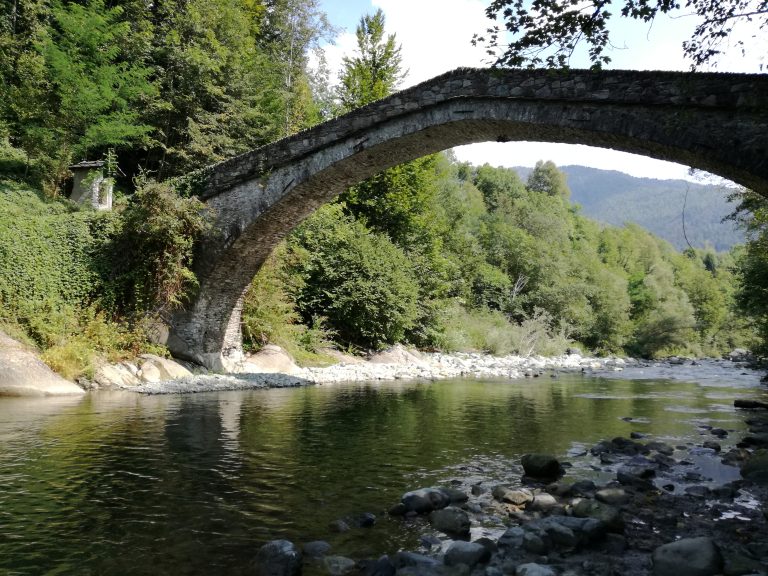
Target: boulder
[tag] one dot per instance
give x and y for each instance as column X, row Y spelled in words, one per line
column 605, row 513
column 517, row 497
column 270, row 359
column 750, row 404
column 758, row 440
column 542, row 503
column 612, row 496
column 451, row 520
column 151, row 373
column 278, row 558
column 454, row 496
column 338, row 565
column 688, row 557
column 512, row 538
column 398, row 354
column 412, row 559
column 316, row 549
column 22, row 373
column 533, row 569
column 739, row 355
column 468, row 553
column 112, row 376
column 381, row 567
column 541, row 466
column 755, row 469
column 169, row 369
column 425, row 500
column 564, row 532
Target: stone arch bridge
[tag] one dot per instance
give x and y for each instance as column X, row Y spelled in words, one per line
column 713, row 122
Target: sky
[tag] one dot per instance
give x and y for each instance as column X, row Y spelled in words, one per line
column 435, row 37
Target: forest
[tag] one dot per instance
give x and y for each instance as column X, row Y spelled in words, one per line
column 434, row 253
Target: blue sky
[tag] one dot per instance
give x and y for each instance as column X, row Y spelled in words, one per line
column 435, row 37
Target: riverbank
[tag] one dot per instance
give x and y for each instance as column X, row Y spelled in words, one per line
column 274, row 369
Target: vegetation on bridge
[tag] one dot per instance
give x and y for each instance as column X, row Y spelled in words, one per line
column 435, row 253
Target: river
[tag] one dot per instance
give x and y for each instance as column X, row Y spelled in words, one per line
column 120, row 483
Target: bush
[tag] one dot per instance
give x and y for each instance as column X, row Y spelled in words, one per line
column 83, row 285
column 148, row 261
column 360, row 281
column 491, row 332
column 269, row 315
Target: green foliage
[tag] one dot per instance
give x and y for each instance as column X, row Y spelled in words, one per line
column 151, row 251
column 547, row 179
column 500, row 186
column 79, row 92
column 270, row 316
column 51, row 284
column 491, row 332
column 397, row 202
column 359, row 280
column 752, row 264
column 376, row 70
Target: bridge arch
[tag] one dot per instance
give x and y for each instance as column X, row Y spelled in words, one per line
column 713, row 122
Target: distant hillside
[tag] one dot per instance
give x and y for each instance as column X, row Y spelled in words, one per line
column 656, row 205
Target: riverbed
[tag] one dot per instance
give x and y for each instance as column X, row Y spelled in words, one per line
column 121, row 483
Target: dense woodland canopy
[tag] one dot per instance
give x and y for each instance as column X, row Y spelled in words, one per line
column 435, row 253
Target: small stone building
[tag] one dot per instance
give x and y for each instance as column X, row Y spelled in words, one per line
column 90, row 186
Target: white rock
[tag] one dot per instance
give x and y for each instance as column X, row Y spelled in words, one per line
column 115, row 376
column 169, row 370
column 22, row 373
column 269, row 360
column 150, row 372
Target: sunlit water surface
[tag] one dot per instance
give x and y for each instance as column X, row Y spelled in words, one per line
column 117, row 483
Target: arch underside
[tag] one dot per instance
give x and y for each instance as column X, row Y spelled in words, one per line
column 254, row 215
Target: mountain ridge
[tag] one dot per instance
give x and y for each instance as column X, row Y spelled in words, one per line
column 678, row 211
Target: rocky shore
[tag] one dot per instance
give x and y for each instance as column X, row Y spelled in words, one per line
column 272, row 367
column 658, row 514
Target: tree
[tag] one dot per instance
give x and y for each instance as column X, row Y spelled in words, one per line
column 376, row 71
column 292, row 29
column 752, row 266
column 547, row 32
column 359, row 280
column 547, row 179
column 80, row 91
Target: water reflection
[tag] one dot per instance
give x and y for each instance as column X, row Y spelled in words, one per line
column 120, row 483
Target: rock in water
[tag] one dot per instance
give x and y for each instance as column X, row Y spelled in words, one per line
column 468, row 553
column 317, row 548
column 338, row 565
column 750, row 404
column 688, row 557
column 278, row 558
column 541, row 466
column 532, row 569
column 517, row 497
column 755, row 469
column 451, row 520
column 425, row 500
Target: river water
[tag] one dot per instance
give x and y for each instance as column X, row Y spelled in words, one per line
column 119, row 483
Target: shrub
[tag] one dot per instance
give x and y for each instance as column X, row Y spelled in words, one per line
column 360, row 281
column 148, row 262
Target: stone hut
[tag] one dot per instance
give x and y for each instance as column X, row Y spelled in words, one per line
column 90, row 186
